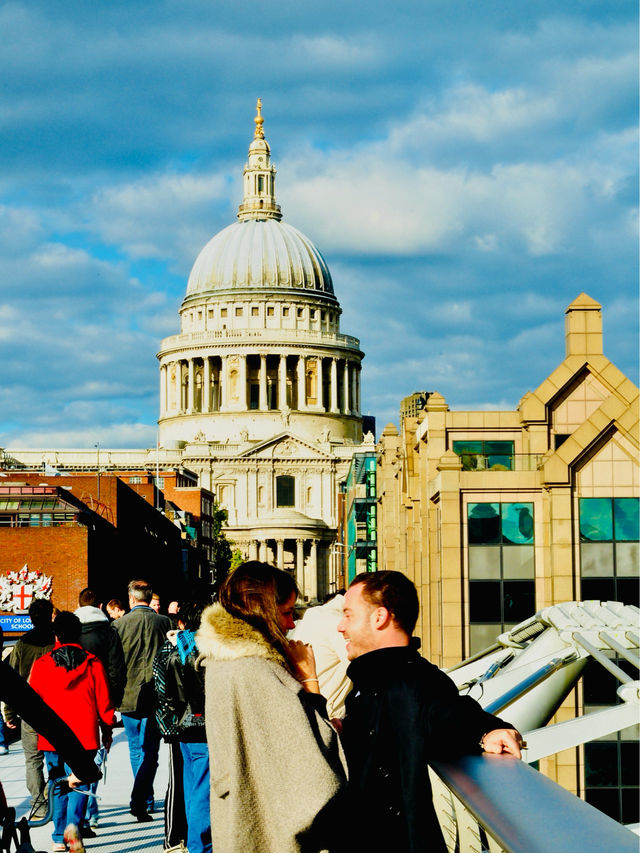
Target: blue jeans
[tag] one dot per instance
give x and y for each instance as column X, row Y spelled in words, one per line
column 144, row 743
column 196, row 796
column 67, row 808
column 92, row 804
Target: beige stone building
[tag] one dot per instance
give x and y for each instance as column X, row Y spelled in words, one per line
column 497, row 514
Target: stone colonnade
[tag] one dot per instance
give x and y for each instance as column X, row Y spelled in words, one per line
column 303, row 556
column 260, row 382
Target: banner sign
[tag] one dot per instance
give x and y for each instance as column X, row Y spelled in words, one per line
column 15, row 623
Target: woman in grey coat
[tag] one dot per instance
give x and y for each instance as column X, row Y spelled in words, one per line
column 277, row 771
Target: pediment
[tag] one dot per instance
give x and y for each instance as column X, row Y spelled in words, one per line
column 284, row 446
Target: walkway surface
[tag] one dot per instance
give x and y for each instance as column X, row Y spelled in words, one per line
column 118, row 831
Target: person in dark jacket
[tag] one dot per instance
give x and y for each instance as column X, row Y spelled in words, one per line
column 31, row 646
column 142, row 632
column 99, row 638
column 401, row 713
column 179, row 686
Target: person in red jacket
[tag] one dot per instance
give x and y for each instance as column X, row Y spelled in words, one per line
column 74, row 683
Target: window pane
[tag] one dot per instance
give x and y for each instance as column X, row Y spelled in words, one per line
column 628, row 591
column 499, row 454
column 484, row 562
column 596, row 522
column 517, row 523
column 606, row 801
column 484, row 524
column 599, row 685
column 630, row 805
column 460, row 447
column 627, row 559
column 519, row 600
column 596, row 559
column 484, row 602
column 598, row 589
column 482, row 636
column 518, row 562
column 625, row 512
column 601, row 764
column 629, row 764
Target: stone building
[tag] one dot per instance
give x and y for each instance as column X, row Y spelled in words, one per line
column 260, row 390
column 497, row 514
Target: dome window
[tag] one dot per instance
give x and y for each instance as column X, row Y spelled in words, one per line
column 238, row 311
column 223, row 312
column 312, row 313
column 285, row 491
column 254, row 311
column 270, row 311
column 285, row 311
column 300, row 313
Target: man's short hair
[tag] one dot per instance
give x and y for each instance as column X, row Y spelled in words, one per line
column 115, row 602
column 67, row 627
column 394, row 591
column 155, row 595
column 40, row 612
column 88, row 598
column 140, row 590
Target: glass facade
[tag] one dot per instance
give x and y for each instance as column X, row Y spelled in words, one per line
column 609, row 533
column 485, row 455
column 501, row 569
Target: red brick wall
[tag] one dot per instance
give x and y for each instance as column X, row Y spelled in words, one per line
column 61, row 552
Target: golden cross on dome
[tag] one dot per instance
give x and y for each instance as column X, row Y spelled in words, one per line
column 259, row 134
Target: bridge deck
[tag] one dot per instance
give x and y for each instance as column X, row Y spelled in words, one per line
column 118, row 831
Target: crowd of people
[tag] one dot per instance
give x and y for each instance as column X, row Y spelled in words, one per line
column 278, row 733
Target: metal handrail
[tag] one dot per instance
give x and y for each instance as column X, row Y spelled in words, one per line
column 525, row 812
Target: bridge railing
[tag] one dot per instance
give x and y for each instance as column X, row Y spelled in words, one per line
column 499, row 804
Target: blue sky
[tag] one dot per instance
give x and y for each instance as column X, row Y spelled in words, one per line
column 466, row 169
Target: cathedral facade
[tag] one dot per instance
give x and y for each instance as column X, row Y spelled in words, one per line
column 260, row 390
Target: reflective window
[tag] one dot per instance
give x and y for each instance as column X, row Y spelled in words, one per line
column 485, row 455
column 596, row 520
column 627, row 525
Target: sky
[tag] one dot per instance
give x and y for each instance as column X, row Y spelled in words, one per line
column 466, row 168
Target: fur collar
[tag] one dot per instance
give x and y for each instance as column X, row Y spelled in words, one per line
column 225, row 637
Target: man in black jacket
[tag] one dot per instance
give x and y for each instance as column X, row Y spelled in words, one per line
column 99, row 638
column 402, row 712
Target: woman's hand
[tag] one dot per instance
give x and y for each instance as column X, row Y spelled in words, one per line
column 304, row 664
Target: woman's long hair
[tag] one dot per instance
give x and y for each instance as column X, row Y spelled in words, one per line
column 252, row 592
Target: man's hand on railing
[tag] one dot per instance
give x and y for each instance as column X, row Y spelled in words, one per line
column 503, row 740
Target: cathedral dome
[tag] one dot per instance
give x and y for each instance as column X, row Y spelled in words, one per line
column 260, row 252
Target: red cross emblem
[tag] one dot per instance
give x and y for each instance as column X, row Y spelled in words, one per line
column 24, row 595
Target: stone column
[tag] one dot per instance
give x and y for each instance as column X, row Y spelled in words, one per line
column 347, row 379
column 224, row 371
column 300, row 565
column 320, row 383
column 178, row 386
column 191, row 390
column 334, row 386
column 262, row 550
column 302, row 389
column 163, row 389
column 312, row 573
column 357, row 372
column 282, row 382
column 280, row 553
column 354, row 396
column 263, row 384
column 253, row 550
column 242, row 382
column 206, row 385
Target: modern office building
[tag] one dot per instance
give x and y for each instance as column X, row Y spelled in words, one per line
column 497, row 514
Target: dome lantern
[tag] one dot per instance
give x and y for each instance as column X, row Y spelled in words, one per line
column 259, row 176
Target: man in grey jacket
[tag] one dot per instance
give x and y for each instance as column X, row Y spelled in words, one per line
column 142, row 632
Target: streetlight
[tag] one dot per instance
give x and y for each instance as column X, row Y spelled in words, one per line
column 97, row 446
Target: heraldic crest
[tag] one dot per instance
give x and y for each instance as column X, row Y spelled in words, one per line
column 18, row 589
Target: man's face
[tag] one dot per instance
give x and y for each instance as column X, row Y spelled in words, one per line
column 357, row 623
column 155, row 604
